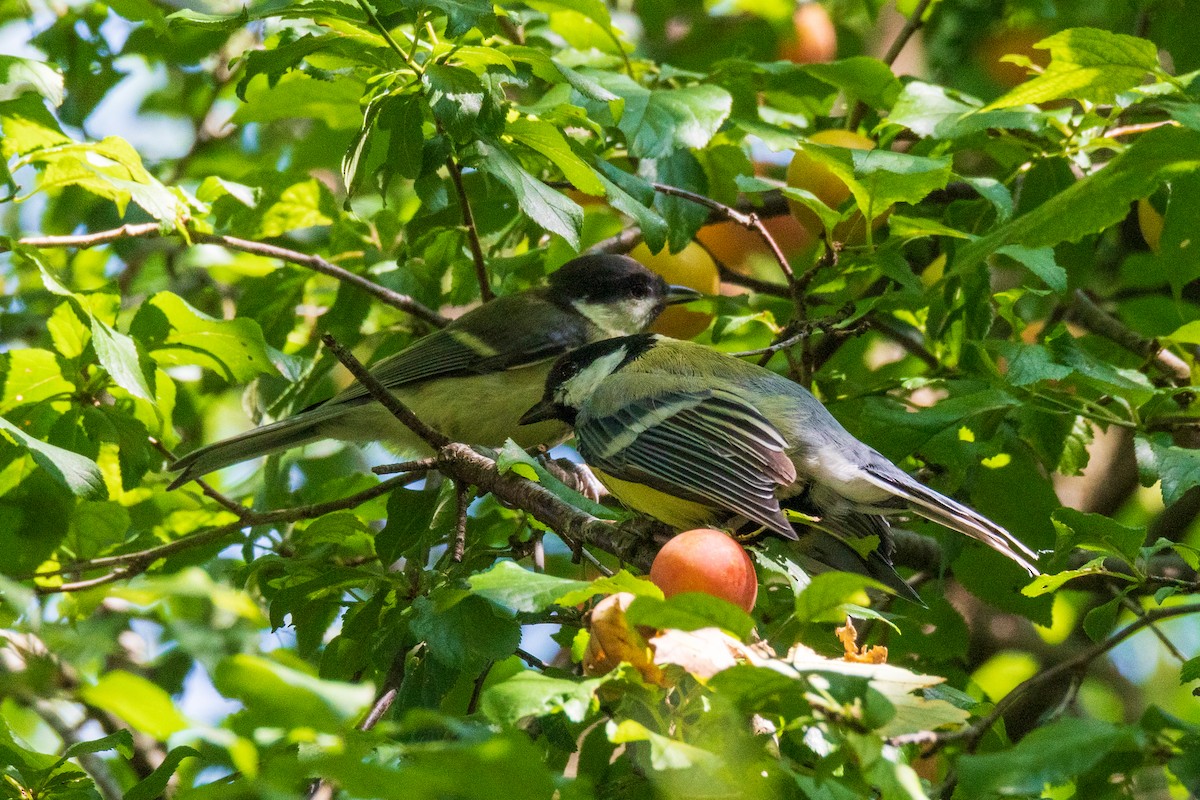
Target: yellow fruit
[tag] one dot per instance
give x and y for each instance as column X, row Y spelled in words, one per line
column 1151, row 224
column 806, row 173
column 815, row 41
column 691, row 266
column 736, row 246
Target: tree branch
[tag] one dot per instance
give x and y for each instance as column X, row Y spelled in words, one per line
column 481, row 275
column 151, row 230
column 911, row 26
column 1085, row 312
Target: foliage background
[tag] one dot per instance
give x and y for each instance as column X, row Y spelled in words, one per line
column 182, row 187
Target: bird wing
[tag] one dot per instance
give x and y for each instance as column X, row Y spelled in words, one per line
column 710, row 445
column 494, row 337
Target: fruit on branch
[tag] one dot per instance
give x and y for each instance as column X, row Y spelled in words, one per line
column 709, row 561
column 814, row 40
column 692, row 267
column 807, row 173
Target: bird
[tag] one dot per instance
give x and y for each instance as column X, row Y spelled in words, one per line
column 472, row 379
column 694, row 437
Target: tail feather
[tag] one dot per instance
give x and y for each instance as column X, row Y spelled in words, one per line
column 821, row 550
column 955, row 516
column 282, row 435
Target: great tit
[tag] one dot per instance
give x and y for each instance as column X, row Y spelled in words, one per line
column 693, row 438
column 472, row 379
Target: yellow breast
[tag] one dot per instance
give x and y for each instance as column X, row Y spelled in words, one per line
column 674, row 511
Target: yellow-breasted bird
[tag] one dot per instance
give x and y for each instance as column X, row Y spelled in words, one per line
column 472, row 379
column 694, row 438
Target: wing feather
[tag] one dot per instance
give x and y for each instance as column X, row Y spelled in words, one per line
column 710, row 445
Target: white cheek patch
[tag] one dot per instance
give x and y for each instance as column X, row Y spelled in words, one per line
column 574, row 392
column 620, row 319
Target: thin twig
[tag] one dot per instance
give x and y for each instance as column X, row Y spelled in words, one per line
column 1137, row 610
column 973, row 733
column 387, row 36
column 481, row 275
column 460, row 522
column 228, row 504
column 151, row 230
column 383, row 396
column 530, row 659
column 911, row 26
column 1129, row 130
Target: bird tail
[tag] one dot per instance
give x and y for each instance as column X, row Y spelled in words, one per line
column 954, row 515
column 292, row 432
column 819, row 550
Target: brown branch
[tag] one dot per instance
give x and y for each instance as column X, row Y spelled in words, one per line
column 460, row 521
column 485, row 287
column 620, row 244
column 911, row 26
column 973, row 733
column 1085, row 312
column 383, row 396
column 151, row 230
column 749, row 220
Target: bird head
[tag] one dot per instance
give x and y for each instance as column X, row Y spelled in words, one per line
column 575, row 376
column 615, row 293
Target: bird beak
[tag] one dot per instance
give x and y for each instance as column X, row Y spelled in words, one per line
column 681, row 294
column 543, row 411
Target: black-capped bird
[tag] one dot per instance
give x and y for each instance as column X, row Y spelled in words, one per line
column 472, row 379
column 693, row 438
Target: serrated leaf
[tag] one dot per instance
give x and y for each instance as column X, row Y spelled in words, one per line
column 1190, row 670
column 676, row 118
column 461, row 15
column 175, row 333
column 862, row 78
column 1098, row 533
column 826, row 596
column 1178, row 468
column 690, row 611
column 464, row 631
column 1096, row 202
column 1045, row 584
column 665, row 752
column 514, row 587
column 531, row 694
column 20, row 75
column 76, row 472
column 552, row 210
column 154, row 784
column 1086, row 64
column 1040, row 261
column 542, row 137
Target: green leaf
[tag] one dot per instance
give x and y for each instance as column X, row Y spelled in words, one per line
column 860, row 77
column 1040, row 261
column 299, row 206
column 461, row 102
column 461, row 15
column 1045, row 584
column 296, row 95
column 463, row 630
column 1178, row 468
column 1098, row 533
column 510, row 585
column 542, row 137
column 827, row 595
column 675, row 118
column 174, row 333
column 1052, row 754
column 20, row 75
column 144, row 705
column 1096, row 202
column 78, row 473
column 690, row 611
column 1100, row 620
column 1190, row 670
column 1086, row 64
column 622, row 581
column 532, row 694
column 682, row 170
column 552, row 210
column 154, row 784
column 665, row 752
column 121, row 740
column 280, row 696
column 409, row 523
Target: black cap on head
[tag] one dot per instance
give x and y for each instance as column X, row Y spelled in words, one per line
column 606, row 278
